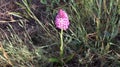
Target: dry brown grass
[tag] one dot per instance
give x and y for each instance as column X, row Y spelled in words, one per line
column 7, row 6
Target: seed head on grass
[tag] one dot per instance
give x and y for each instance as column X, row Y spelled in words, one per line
column 62, row 20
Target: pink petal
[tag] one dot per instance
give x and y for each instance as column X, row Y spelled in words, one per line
column 62, row 20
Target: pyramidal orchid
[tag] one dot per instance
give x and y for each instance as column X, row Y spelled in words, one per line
column 62, row 20
column 62, row 23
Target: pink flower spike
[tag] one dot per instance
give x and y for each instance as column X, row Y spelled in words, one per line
column 62, row 20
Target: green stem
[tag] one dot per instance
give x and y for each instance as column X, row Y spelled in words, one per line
column 61, row 41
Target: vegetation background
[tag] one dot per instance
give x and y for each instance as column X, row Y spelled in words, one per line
column 29, row 38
